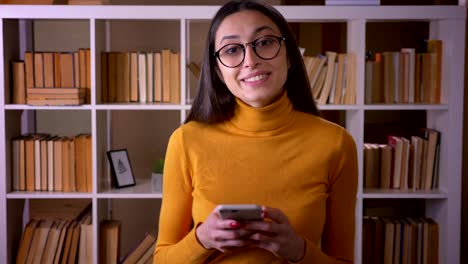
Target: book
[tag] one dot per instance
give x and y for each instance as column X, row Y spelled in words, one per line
column 109, row 241
column 134, row 255
column 19, row 83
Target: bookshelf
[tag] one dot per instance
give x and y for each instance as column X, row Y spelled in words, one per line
column 101, row 119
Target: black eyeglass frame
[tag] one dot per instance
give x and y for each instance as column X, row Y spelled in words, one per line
column 252, row 44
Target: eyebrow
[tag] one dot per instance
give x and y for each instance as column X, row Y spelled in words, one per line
column 237, row 36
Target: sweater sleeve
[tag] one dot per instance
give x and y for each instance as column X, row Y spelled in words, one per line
column 337, row 243
column 177, row 242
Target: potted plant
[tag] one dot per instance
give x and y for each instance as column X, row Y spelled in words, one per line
column 157, row 174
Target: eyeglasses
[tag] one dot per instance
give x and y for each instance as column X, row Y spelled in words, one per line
column 266, row 48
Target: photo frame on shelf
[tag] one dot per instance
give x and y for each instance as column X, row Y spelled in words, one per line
column 121, row 168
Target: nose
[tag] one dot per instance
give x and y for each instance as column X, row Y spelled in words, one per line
column 251, row 59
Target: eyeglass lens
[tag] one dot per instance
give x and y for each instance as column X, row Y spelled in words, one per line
column 232, row 55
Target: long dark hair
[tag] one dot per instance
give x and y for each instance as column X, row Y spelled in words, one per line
column 214, row 102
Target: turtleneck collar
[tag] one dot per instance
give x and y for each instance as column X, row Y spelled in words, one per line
column 263, row 119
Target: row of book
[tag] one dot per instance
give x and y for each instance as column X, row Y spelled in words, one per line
column 332, row 77
column 51, row 70
column 52, row 239
column 400, row 240
column 43, row 162
column 143, row 77
column 405, row 76
column 109, row 245
column 403, row 163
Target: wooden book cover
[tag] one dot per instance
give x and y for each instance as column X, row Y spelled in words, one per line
column 15, row 164
column 148, row 255
column 73, row 255
column 109, row 237
column 19, row 83
column 157, row 82
column 175, row 78
column 112, row 71
column 57, row 67
column 80, row 168
column 72, row 163
column 351, row 90
column 404, row 163
column 368, row 234
column 89, row 164
column 26, row 240
column 377, row 86
column 48, row 58
column 134, row 255
column 126, row 77
column 317, row 71
column 435, row 46
column 88, row 75
column 39, row 241
column 120, row 68
column 38, row 70
column 166, row 75
column 82, row 67
column 388, row 77
column 319, row 83
column 134, row 97
column 76, row 69
column 379, row 236
column 104, row 78
column 61, row 241
column 37, row 163
column 29, row 69
column 52, row 242
column 331, row 95
column 389, row 241
column 142, row 77
column 65, row 209
column 66, row 70
column 385, row 166
column 339, row 78
column 325, row 93
column 50, row 163
column 58, row 165
column 432, row 136
column 29, row 158
column 66, row 186
column 397, row 148
column 149, row 77
column 68, row 242
column 398, row 241
column 44, row 163
column 85, row 251
column 22, row 164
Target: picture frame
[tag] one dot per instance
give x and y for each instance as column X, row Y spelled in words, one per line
column 121, row 168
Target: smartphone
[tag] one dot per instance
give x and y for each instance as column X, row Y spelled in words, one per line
column 240, row 212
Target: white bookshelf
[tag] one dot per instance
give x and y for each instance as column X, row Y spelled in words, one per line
column 446, row 23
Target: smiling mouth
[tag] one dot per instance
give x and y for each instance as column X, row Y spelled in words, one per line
column 256, row 78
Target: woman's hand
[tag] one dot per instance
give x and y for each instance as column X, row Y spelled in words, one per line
column 216, row 233
column 277, row 235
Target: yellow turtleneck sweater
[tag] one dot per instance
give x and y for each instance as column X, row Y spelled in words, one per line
column 273, row 156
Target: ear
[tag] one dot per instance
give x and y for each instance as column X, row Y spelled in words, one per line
column 220, row 75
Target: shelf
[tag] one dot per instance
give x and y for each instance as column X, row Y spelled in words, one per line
column 31, row 107
column 48, row 195
column 443, row 107
column 143, row 189
column 398, row 194
column 141, row 106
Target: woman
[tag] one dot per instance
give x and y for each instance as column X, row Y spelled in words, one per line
column 253, row 136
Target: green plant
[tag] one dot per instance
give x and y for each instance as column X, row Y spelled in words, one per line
column 158, row 166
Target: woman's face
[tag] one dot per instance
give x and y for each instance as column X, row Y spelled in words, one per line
column 257, row 82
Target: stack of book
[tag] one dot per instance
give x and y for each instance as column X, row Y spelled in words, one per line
column 52, row 78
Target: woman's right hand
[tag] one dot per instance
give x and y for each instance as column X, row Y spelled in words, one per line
column 216, row 233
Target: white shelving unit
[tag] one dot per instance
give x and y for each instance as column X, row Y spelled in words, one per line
column 446, row 23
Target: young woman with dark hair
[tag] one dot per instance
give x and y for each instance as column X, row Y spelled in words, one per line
column 253, row 136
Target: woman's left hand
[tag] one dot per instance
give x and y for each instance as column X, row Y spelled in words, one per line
column 277, row 235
